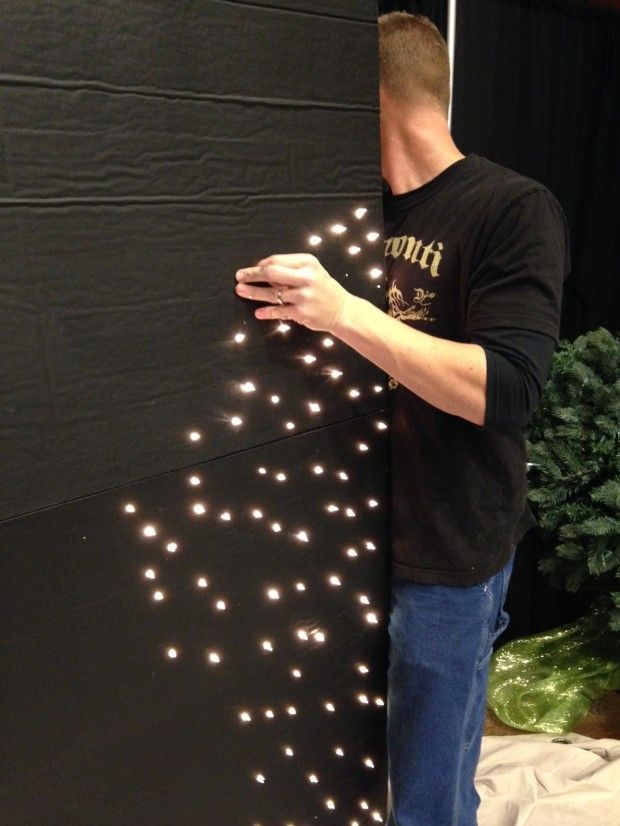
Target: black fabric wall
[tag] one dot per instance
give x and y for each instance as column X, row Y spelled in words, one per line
column 194, row 539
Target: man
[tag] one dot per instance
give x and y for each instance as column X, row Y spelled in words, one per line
column 476, row 256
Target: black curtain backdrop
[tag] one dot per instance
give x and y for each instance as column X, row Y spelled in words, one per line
column 536, row 89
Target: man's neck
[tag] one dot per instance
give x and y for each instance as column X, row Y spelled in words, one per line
column 416, row 149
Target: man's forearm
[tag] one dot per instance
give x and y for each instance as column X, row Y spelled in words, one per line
column 447, row 374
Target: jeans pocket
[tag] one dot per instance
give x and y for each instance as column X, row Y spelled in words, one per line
column 497, row 589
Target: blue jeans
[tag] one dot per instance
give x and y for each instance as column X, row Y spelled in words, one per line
column 441, row 640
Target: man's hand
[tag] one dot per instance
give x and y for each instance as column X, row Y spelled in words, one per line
column 310, row 296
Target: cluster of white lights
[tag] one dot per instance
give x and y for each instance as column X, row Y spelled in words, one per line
column 275, row 593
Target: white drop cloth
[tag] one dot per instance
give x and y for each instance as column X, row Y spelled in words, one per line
column 527, row 779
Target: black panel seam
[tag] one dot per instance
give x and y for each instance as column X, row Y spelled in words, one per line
column 280, row 440
column 306, row 12
column 179, row 94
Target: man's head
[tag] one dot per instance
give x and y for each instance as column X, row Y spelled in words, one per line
column 414, row 68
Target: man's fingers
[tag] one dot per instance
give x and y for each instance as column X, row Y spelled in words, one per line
column 269, row 294
column 272, row 273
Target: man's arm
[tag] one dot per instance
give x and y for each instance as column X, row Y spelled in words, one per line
column 449, row 375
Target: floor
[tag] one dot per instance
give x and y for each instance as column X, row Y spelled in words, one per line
column 601, row 721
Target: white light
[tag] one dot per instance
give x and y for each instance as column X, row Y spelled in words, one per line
column 275, row 400
column 372, row 618
column 351, row 552
column 363, row 669
column 149, row 574
column 362, row 447
column 364, row 600
column 313, row 778
column 338, row 229
column 199, row 508
column 315, row 407
column 332, row 508
column 262, row 470
column 381, row 426
column 214, row 657
column 354, row 393
column 302, row 536
column 360, row 212
column 300, row 586
column 283, row 328
column 363, row 699
column 220, row 605
column 269, row 714
column 378, row 388
column 317, row 469
column 379, row 701
column 225, row 517
column 257, row 514
column 372, row 236
column 290, row 425
column 171, row 547
column 130, row 508
column 364, row 805
column 281, row 477
column 370, row 545
column 239, row 337
column 149, row 530
column 354, row 249
column 314, row 240
column 330, row 804
column 260, row 778
column 350, row 513
column 291, row 710
column 377, row 817
column 236, row 421
column 158, row 595
column 194, row 436
column 335, row 580
column 303, row 635
column 368, row 763
column 288, row 751
column 372, row 503
column 296, row 673
column 273, row 593
column 330, row 707
column 319, row 636
column 247, row 387
column 343, row 476
column 328, row 342
column 194, row 480
column 375, row 272
column 202, row 582
column 339, row 752
column 245, row 717
column 172, row 653
column 276, row 527
column 335, row 374
column 267, row 645
column 309, row 358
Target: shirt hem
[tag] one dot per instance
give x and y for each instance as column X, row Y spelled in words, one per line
column 428, row 576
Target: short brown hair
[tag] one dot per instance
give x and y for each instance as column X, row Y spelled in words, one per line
column 414, row 66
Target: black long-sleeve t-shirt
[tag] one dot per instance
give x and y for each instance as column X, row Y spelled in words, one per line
column 477, row 255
